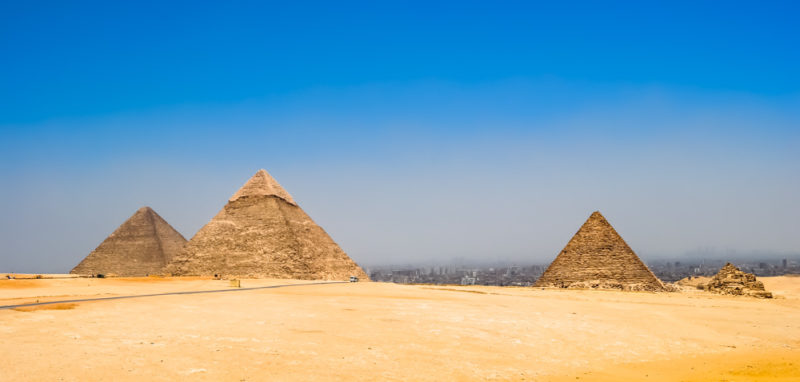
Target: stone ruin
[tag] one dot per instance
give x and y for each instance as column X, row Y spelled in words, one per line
column 262, row 233
column 598, row 258
column 140, row 246
column 733, row 281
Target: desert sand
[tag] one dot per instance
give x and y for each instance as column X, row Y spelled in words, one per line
column 378, row 331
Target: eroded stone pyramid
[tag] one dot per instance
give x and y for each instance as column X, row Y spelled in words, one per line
column 732, row 280
column 261, row 232
column 597, row 257
column 142, row 245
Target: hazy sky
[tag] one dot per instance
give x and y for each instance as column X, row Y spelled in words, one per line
column 411, row 133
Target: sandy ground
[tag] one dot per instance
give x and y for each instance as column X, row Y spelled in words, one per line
column 377, row 331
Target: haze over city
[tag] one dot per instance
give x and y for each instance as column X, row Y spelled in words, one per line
column 461, row 132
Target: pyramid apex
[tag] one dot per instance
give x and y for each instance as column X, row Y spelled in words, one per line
column 596, row 215
column 262, row 183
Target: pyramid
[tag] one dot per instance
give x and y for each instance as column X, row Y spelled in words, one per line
column 732, row 280
column 142, row 245
column 262, row 233
column 597, row 257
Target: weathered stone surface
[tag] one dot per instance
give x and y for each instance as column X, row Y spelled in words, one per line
column 733, row 281
column 693, row 283
column 261, row 232
column 142, row 245
column 597, row 257
column 263, row 184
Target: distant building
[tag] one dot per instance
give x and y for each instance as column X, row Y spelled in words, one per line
column 466, row 280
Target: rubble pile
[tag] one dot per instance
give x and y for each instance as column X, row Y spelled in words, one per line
column 733, row 281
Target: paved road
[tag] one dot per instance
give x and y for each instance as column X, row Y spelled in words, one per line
column 167, row 294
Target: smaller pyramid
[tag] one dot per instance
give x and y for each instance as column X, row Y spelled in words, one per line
column 598, row 257
column 732, row 280
column 142, row 245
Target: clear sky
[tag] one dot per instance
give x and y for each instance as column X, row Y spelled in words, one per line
column 410, row 131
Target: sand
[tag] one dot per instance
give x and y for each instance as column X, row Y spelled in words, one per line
column 377, row 331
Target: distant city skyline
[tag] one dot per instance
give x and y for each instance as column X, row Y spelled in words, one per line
column 411, row 133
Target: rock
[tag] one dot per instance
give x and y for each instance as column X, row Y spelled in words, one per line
column 693, row 282
column 733, row 281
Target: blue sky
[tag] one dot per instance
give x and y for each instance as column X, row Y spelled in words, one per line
column 89, row 58
column 409, row 131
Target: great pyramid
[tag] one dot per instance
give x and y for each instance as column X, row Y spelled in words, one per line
column 597, row 257
column 262, row 233
column 142, row 245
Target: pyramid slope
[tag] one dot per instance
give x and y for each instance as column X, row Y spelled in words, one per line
column 263, row 235
column 142, row 245
column 597, row 256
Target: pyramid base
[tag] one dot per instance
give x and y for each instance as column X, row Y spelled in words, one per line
column 603, row 285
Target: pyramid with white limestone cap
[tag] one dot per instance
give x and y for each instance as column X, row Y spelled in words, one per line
column 262, row 233
column 262, row 183
column 598, row 257
column 142, row 245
